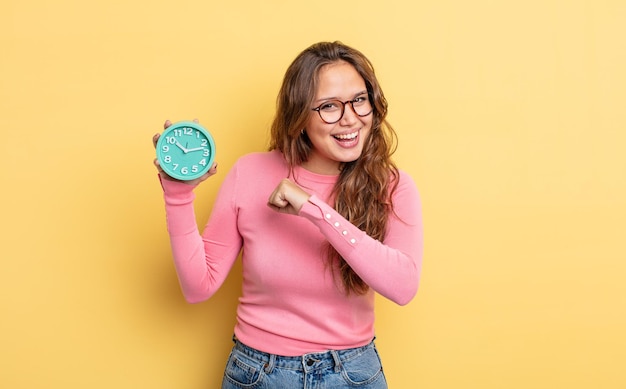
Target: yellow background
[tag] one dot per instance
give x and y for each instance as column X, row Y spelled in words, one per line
column 511, row 120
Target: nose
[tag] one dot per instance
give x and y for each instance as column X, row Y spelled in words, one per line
column 349, row 116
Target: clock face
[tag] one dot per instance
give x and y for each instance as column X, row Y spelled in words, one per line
column 185, row 151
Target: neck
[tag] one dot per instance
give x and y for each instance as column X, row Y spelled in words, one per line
column 321, row 167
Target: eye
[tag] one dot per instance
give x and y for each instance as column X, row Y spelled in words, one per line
column 360, row 100
column 329, row 106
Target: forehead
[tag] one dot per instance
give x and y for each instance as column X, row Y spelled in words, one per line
column 339, row 79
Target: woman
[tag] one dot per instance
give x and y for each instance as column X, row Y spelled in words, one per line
column 324, row 220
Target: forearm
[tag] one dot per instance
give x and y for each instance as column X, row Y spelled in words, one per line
column 392, row 268
column 199, row 274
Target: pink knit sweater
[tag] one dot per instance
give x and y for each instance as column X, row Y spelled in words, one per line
column 291, row 303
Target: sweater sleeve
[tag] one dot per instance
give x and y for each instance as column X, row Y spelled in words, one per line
column 202, row 261
column 392, row 267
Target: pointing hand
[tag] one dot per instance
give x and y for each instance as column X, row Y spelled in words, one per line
column 288, row 198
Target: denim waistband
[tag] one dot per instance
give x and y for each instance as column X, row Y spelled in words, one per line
column 306, row 362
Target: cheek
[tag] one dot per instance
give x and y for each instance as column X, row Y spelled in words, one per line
column 311, row 126
column 368, row 126
column 368, row 134
column 369, row 121
column 317, row 130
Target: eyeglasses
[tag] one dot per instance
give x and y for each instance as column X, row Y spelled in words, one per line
column 332, row 111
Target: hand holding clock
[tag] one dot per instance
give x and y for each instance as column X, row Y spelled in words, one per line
column 187, row 174
column 176, row 162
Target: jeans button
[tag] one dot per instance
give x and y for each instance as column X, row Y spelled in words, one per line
column 310, row 362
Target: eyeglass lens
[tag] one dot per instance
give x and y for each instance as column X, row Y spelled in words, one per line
column 332, row 111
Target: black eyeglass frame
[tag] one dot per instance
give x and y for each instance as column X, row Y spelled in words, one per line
column 343, row 108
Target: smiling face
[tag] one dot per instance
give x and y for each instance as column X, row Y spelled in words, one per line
column 333, row 144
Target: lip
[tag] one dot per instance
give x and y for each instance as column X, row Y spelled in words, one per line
column 347, row 133
column 348, row 143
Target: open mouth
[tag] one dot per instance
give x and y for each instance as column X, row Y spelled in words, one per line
column 347, row 137
column 347, row 141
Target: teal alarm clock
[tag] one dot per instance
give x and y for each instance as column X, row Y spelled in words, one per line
column 185, row 150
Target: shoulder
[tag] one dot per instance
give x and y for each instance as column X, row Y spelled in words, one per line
column 267, row 159
column 406, row 186
column 261, row 165
column 406, row 199
column 405, row 180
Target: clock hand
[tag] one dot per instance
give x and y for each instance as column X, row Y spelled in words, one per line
column 182, row 148
column 195, row 149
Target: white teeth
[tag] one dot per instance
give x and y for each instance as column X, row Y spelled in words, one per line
column 347, row 136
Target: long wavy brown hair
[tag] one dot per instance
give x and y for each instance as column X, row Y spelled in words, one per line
column 363, row 190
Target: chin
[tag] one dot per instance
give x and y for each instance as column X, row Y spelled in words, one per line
column 348, row 159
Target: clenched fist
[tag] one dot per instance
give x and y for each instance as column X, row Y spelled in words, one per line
column 288, row 198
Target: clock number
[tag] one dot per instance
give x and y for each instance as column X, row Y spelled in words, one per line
column 168, row 158
column 194, row 169
column 171, row 140
column 184, row 170
column 178, row 132
column 202, row 162
column 188, row 131
column 204, row 142
column 206, row 152
column 175, row 166
column 165, row 148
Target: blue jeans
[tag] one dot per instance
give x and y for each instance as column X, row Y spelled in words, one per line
column 353, row 368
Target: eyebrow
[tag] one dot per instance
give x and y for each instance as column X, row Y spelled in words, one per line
column 337, row 98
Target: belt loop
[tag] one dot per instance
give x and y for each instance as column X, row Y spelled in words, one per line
column 337, row 361
column 269, row 366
